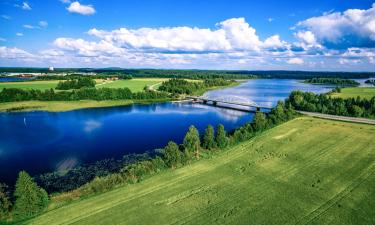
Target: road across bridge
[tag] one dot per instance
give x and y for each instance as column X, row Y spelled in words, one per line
column 252, row 107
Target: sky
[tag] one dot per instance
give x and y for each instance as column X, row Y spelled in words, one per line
column 332, row 35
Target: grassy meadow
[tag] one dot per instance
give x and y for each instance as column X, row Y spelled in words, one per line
column 363, row 92
column 306, row 171
column 37, row 85
column 135, row 84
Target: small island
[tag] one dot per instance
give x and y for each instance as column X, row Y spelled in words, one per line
column 333, row 81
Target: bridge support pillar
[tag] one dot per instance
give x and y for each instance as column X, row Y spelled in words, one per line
column 214, row 102
column 258, row 109
column 204, row 101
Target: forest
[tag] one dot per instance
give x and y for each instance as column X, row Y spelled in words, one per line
column 180, row 86
column 323, row 103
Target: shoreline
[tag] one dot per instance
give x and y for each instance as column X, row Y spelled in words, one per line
column 64, row 106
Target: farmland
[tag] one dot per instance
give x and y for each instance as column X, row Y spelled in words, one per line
column 134, row 85
column 304, row 171
column 363, row 92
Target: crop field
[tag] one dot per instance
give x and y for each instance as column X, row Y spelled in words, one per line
column 363, row 92
column 38, row 85
column 135, row 85
column 306, row 171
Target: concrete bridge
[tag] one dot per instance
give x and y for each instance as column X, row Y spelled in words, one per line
column 250, row 107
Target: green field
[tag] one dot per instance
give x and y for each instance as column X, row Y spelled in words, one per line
column 38, row 85
column 364, row 92
column 306, row 171
column 135, row 85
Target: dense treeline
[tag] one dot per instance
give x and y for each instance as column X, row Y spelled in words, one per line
column 30, row 199
column 370, row 82
column 15, row 94
column 323, row 103
column 287, row 74
column 81, row 82
column 199, row 74
column 334, row 81
column 181, row 86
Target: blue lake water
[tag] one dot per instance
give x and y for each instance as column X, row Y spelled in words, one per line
column 43, row 141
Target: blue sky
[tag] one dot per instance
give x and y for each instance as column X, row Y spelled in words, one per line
column 207, row 34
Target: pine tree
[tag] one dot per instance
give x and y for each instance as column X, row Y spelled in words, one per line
column 192, row 141
column 5, row 203
column 221, row 137
column 172, row 155
column 30, row 199
column 259, row 122
column 209, row 138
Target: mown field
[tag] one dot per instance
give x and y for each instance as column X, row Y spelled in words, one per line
column 364, row 92
column 306, row 171
column 38, row 85
column 135, row 85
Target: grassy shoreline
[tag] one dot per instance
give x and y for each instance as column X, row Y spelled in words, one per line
column 62, row 106
column 353, row 92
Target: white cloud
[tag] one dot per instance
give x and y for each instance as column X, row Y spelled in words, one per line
column 88, row 48
column 24, row 6
column 28, row 26
column 297, row 61
column 43, row 24
column 231, row 35
column 3, row 39
column 270, row 19
column 306, row 37
column 13, row 53
column 76, row 7
column 351, row 28
column 19, row 34
column 65, row 1
column 5, row 17
column 344, row 61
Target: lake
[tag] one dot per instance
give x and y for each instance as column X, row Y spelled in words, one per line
column 41, row 142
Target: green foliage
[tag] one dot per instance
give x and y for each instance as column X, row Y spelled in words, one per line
column 172, row 155
column 76, row 83
column 192, row 141
column 259, row 122
column 221, row 137
column 15, row 94
column 5, row 203
column 30, row 199
column 370, row 82
column 323, row 103
column 209, row 138
column 181, row 86
column 334, row 81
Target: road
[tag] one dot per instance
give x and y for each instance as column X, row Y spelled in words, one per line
column 341, row 118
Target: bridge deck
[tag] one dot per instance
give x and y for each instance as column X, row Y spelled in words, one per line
column 227, row 102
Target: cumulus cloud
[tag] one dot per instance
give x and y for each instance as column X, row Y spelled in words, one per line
column 19, row 34
column 351, row 28
column 88, row 48
column 297, row 61
column 76, row 7
column 231, row 35
column 13, row 53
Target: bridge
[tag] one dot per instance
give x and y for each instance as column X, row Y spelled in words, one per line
column 223, row 103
